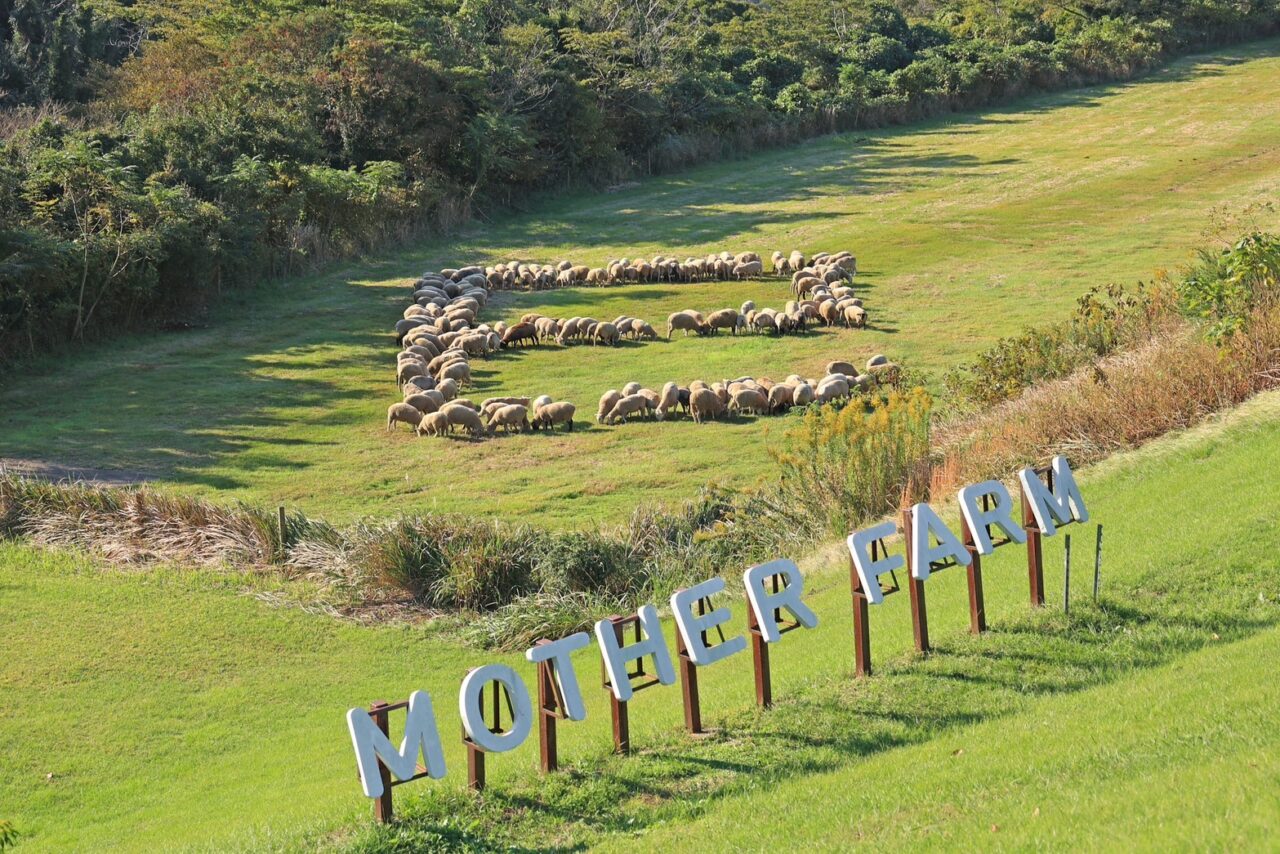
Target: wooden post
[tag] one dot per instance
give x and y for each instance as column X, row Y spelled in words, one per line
column 475, row 767
column 284, row 528
column 618, row 708
column 760, row 659
column 915, row 589
column 977, row 604
column 382, row 809
column 861, row 619
column 547, row 712
column 689, row 687
column 1035, row 557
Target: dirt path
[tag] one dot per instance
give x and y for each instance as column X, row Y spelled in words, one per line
column 52, row 471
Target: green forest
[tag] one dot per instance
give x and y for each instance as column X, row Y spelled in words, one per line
column 153, row 153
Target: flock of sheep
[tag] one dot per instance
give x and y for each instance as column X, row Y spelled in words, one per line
column 721, row 266
column 440, row 333
column 758, row 396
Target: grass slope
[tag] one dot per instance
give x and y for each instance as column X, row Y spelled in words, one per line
column 966, row 229
column 171, row 710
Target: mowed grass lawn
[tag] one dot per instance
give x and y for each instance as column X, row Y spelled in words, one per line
column 965, row 229
column 165, row 709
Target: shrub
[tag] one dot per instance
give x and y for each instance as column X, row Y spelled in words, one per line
column 842, row 466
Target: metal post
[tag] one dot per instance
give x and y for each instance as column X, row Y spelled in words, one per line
column 1097, row 564
column 1066, row 578
column 915, row 589
column 382, row 809
column 861, row 620
column 977, row 603
column 760, row 659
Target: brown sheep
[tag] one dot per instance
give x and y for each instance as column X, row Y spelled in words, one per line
column 704, row 404
column 403, row 413
column 551, row 414
column 521, row 333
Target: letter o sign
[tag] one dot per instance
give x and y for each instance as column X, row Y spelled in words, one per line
column 473, row 715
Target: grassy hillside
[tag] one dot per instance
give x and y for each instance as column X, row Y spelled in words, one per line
column 170, row 709
column 965, row 230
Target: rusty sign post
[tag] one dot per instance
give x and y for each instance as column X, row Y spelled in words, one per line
column 760, row 648
column 380, row 712
column 618, row 708
column 551, row 708
column 862, row 611
column 915, row 590
column 1035, row 554
column 688, row 671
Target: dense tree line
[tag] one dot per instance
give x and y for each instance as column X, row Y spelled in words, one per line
column 151, row 150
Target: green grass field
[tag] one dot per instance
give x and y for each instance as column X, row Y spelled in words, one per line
column 965, row 229
column 167, row 709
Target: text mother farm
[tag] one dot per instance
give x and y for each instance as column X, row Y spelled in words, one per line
column 771, row 588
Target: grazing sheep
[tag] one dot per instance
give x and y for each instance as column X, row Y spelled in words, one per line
column 802, row 394
column 408, row 371
column 606, row 333
column 459, row 372
column 540, row 401
column 877, row 360
column 403, row 413
column 705, row 403
column 488, row 401
column 781, row 397
column 512, row 415
column 550, row 414
column 466, row 418
column 748, row 306
column 748, row 269
column 626, row 407
column 725, row 318
column 433, row 424
column 521, row 333
column 422, row 403
column 688, row 321
column 631, row 388
column 855, row 316
column 448, row 388
column 749, row 399
column 669, row 399
column 640, row 329
column 841, row 368
column 796, row 260
column 607, row 401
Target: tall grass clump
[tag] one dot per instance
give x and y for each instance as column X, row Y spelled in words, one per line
column 840, row 467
